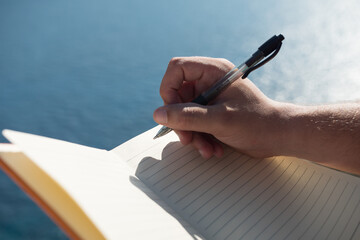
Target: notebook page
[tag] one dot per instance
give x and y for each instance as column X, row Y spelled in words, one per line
column 238, row 197
column 136, row 147
column 101, row 185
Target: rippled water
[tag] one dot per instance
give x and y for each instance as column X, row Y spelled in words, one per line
column 89, row 71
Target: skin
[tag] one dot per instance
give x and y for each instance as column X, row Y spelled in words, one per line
column 245, row 119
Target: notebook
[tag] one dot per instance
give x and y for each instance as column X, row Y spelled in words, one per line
column 159, row 189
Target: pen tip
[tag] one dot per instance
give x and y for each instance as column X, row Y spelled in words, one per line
column 162, row 132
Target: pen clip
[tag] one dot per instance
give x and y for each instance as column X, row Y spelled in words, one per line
column 263, row 62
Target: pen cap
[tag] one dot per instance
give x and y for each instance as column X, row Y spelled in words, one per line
column 270, row 45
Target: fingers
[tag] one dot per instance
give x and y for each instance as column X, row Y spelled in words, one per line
column 207, row 145
column 204, row 71
column 190, row 117
column 184, row 79
column 185, row 137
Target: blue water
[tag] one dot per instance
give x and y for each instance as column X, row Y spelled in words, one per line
column 89, row 71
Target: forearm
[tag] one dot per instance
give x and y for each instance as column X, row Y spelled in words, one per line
column 328, row 134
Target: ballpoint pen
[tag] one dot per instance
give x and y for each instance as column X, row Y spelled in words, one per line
column 272, row 45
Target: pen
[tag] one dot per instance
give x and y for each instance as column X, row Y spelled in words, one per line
column 243, row 70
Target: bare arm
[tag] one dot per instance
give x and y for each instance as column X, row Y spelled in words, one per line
column 328, row 134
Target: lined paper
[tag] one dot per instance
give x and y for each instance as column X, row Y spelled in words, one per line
column 238, row 197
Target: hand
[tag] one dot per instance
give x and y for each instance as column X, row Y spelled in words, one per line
column 241, row 116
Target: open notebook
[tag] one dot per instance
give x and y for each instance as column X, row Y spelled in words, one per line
column 159, row 189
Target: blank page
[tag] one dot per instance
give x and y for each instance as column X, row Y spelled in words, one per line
column 238, row 197
column 101, row 184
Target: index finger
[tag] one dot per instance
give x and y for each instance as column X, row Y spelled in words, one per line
column 201, row 71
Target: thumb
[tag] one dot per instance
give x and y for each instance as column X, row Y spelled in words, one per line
column 188, row 117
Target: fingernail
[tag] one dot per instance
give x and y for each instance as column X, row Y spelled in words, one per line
column 160, row 116
column 202, row 153
column 181, row 138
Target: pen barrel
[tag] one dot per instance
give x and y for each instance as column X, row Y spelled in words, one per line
column 200, row 100
column 221, row 85
column 255, row 58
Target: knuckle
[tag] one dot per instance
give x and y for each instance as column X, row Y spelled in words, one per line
column 162, row 91
column 225, row 64
column 175, row 61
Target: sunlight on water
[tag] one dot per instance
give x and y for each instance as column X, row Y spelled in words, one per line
column 320, row 58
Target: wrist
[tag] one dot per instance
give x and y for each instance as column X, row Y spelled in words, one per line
column 276, row 135
column 308, row 132
column 328, row 134
column 290, row 136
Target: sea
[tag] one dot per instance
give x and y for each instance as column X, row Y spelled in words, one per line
column 89, row 71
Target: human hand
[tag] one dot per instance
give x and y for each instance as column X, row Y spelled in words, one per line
column 241, row 116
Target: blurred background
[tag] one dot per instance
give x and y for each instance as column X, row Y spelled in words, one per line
column 89, row 71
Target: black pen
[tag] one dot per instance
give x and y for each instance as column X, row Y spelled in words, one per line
column 243, row 70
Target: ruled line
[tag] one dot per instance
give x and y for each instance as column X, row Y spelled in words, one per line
column 154, row 163
column 176, row 169
column 224, row 177
column 298, row 209
column 284, row 210
column 218, row 193
column 358, row 225
column 198, row 176
column 322, row 208
column 170, row 163
column 244, row 195
column 281, row 214
column 313, row 205
column 331, row 211
column 260, row 206
column 342, row 212
column 234, row 170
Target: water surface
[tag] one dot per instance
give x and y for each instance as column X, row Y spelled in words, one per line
column 89, row 71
